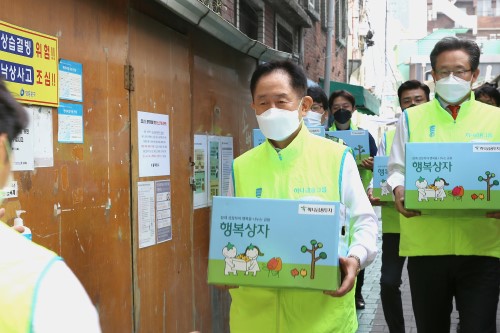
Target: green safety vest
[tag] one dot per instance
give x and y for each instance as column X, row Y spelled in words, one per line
column 458, row 232
column 300, row 170
column 22, row 266
column 390, row 216
column 366, row 175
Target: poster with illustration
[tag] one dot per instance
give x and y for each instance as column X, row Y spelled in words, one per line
column 452, row 176
column 200, row 172
column 381, row 188
column 356, row 139
column 277, row 243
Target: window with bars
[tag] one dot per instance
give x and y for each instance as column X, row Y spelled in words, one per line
column 285, row 36
column 248, row 19
column 340, row 20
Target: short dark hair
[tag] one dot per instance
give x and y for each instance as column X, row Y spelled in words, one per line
column 13, row 116
column 411, row 85
column 341, row 93
column 453, row 43
column 318, row 95
column 298, row 79
column 488, row 90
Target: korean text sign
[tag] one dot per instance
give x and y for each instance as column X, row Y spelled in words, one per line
column 29, row 65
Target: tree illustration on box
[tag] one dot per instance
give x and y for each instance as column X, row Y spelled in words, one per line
column 314, row 246
column 489, row 184
column 360, row 150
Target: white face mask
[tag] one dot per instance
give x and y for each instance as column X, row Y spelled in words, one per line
column 313, row 118
column 452, row 89
column 278, row 124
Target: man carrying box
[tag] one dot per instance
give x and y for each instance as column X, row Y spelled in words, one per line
column 342, row 105
column 410, row 93
column 292, row 164
column 456, row 254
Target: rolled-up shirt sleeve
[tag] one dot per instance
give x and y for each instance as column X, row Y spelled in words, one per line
column 396, row 164
column 363, row 219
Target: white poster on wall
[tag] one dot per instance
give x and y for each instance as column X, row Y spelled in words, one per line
column 146, row 213
column 153, row 144
column 22, row 147
column 200, row 171
column 43, row 136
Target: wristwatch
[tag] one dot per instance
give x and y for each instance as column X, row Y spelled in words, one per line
column 358, row 260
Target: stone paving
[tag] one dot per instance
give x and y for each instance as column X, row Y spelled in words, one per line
column 371, row 319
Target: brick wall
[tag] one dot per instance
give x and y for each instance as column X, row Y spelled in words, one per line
column 315, row 52
column 228, row 8
column 269, row 25
column 314, row 44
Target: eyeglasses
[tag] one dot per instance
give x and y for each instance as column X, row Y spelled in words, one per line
column 317, row 108
column 346, row 106
column 459, row 73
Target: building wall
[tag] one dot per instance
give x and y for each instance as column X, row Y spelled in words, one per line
column 269, row 22
column 314, row 40
column 315, row 53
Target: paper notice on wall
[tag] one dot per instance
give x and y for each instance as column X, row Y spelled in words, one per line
column 70, row 123
column 163, row 211
column 213, row 167
column 200, row 198
column 146, row 213
column 10, row 190
column 226, row 162
column 23, row 147
column 70, row 80
column 43, row 137
column 153, row 144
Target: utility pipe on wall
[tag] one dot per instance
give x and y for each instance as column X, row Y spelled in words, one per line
column 329, row 38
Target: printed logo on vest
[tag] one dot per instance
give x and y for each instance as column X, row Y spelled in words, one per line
column 432, row 131
column 258, row 192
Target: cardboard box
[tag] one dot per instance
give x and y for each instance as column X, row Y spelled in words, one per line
column 258, row 137
column 381, row 189
column 277, row 243
column 317, row 130
column 357, row 140
column 452, row 176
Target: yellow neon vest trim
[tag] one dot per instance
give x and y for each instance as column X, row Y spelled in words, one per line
column 297, row 171
column 22, row 266
column 451, row 232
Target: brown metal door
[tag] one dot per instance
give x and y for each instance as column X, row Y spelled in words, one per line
column 163, row 277
column 89, row 182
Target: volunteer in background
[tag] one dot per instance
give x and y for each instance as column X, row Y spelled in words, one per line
column 454, row 254
column 410, row 93
column 342, row 105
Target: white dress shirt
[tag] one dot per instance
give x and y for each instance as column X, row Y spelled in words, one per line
column 396, row 165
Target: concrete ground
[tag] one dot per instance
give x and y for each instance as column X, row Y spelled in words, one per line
column 371, row 319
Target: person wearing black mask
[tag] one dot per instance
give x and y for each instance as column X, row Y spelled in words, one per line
column 342, row 105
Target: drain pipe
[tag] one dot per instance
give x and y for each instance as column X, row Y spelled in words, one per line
column 328, row 56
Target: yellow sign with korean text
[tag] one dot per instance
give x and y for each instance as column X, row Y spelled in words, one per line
column 29, row 65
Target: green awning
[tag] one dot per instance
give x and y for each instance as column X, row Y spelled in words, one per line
column 365, row 101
